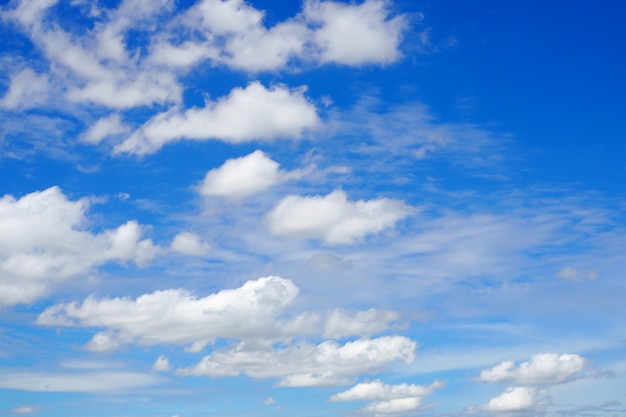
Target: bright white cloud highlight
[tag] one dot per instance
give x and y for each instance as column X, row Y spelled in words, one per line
column 190, row 244
column 333, row 218
column 355, row 34
column 246, row 114
column 516, row 399
column 242, row 177
column 328, row 363
column 43, row 240
column 542, row 369
column 178, row 317
column 388, row 399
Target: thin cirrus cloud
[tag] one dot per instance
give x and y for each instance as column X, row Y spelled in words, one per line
column 388, row 399
column 249, row 113
column 43, row 241
column 239, row 178
column 333, row 218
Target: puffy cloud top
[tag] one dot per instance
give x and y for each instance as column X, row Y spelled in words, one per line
column 333, row 218
column 542, row 369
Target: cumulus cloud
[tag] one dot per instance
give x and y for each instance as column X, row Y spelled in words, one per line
column 325, row 364
column 105, row 381
column 517, row 400
column 242, row 177
column 43, row 240
column 355, row 34
column 333, row 218
column 246, row 114
column 388, row 399
column 162, row 364
column 189, row 243
column 541, row 369
column 178, row 317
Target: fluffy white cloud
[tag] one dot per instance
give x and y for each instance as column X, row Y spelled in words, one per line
column 515, row 400
column 178, row 317
column 250, row 113
column 328, row 363
column 103, row 128
column 542, row 369
column 355, row 34
column 42, row 241
column 333, row 218
column 189, row 244
column 388, row 399
column 242, row 177
column 162, row 364
column 27, row 89
column 340, row 323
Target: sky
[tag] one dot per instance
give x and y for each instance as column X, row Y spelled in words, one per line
column 312, row 208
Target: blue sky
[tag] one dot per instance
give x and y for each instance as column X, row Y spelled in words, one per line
column 316, row 208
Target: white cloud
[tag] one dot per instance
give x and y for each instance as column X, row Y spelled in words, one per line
column 42, row 241
column 355, row 34
column 162, row 364
column 542, row 369
column 333, row 218
column 328, row 363
column 27, row 89
column 189, row 244
column 340, row 323
column 242, row 177
column 178, row 317
column 26, row 409
column 388, row 399
column 269, row 401
column 103, row 128
column 105, row 381
column 516, row 399
column 250, row 113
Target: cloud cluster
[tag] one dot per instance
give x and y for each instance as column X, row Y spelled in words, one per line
column 261, row 339
column 43, row 240
column 332, row 218
column 541, row 370
column 388, row 399
column 304, row 364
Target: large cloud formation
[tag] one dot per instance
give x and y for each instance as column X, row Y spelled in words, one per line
column 43, row 240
